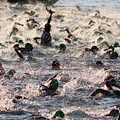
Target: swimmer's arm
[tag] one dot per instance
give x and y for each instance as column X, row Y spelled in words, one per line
column 50, row 18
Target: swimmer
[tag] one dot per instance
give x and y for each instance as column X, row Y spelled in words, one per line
column 30, row 13
column 57, row 114
column 51, row 86
column 110, row 92
column 55, row 65
column 69, row 34
column 28, row 48
column 31, row 24
column 110, row 53
column 16, row 47
column 62, row 48
column 11, row 72
column 113, row 113
column 93, row 50
column 46, row 36
column 99, row 63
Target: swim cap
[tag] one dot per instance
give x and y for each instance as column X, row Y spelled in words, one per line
column 113, row 55
column 59, row 113
column 94, row 48
column 54, row 84
column 116, row 44
column 35, row 26
column 99, row 63
column 28, row 45
column 55, row 63
column 99, row 39
column 62, row 47
column 11, row 72
column 109, row 32
column 113, row 80
column 20, row 41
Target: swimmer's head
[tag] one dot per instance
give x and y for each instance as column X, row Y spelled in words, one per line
column 94, row 48
column 54, row 84
column 11, row 72
column 99, row 63
column 55, row 64
column 113, row 55
column 47, row 27
column 28, row 47
column 62, row 47
column 59, row 113
column 116, row 44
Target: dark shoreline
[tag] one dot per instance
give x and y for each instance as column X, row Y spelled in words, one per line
column 47, row 2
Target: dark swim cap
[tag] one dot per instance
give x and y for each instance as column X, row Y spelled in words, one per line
column 94, row 48
column 116, row 44
column 59, row 113
column 114, row 55
column 54, row 84
column 62, row 46
column 28, row 45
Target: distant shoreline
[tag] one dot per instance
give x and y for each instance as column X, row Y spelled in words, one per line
column 48, row 2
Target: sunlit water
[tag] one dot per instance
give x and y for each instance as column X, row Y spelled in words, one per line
column 80, row 76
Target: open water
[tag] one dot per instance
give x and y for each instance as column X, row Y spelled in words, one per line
column 80, row 76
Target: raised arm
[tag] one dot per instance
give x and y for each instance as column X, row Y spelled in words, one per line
column 50, row 18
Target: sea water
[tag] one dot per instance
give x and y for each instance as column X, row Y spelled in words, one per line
column 91, row 4
column 80, row 76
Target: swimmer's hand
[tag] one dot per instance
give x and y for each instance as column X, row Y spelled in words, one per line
column 50, row 11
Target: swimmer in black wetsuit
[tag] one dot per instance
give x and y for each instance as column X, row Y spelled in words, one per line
column 93, row 50
column 110, row 92
column 113, row 113
column 28, row 48
column 31, row 23
column 46, row 36
column 51, row 89
column 110, row 53
column 9, row 74
column 51, row 85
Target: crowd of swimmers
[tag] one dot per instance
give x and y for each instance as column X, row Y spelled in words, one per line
column 51, row 85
